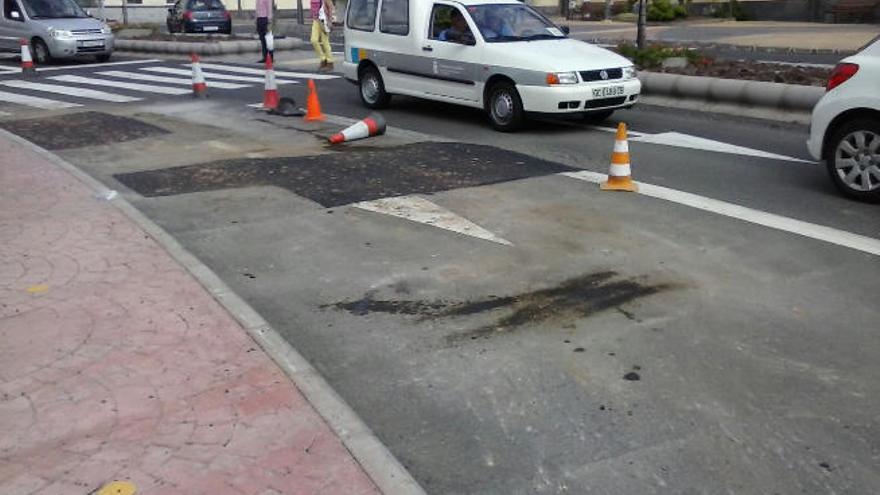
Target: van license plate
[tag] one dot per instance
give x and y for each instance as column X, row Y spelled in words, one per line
column 91, row 43
column 608, row 92
column 210, row 28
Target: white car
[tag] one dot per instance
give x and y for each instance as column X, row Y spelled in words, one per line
column 845, row 130
column 498, row 55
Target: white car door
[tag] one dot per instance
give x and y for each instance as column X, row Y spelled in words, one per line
column 454, row 52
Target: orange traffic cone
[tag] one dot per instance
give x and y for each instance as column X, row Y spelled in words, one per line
column 27, row 62
column 200, row 87
column 270, row 96
column 620, row 174
column 374, row 125
column 313, row 105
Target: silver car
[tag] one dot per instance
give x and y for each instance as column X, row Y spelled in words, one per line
column 56, row 29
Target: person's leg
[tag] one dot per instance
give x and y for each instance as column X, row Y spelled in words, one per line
column 328, row 51
column 262, row 29
column 317, row 30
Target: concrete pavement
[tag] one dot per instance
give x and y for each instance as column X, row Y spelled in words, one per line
column 116, row 364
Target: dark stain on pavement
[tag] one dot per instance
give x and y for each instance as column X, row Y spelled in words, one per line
column 80, row 130
column 573, row 299
column 337, row 179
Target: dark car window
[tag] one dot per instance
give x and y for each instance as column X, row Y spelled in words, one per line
column 203, row 5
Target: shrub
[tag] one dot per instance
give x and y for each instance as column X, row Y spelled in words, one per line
column 731, row 10
column 654, row 55
column 664, row 11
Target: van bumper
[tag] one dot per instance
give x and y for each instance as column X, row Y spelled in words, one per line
column 576, row 98
column 350, row 71
column 70, row 48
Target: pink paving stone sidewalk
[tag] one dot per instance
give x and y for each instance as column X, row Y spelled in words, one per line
column 117, row 364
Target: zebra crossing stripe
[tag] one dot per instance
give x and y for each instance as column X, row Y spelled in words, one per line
column 70, row 91
column 168, row 80
column 33, row 101
column 144, row 88
column 279, row 73
column 212, row 76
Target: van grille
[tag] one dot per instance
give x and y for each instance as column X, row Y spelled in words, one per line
column 605, row 102
column 596, row 75
column 84, row 32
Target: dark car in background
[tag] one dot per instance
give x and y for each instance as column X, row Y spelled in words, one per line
column 199, row 16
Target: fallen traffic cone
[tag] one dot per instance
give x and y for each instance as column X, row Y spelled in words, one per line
column 620, row 174
column 374, row 125
column 27, row 62
column 200, row 87
column 313, row 105
column 270, row 96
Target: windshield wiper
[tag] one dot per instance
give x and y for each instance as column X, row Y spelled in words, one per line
column 541, row 37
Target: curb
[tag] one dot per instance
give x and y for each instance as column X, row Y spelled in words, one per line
column 709, row 45
column 736, row 91
column 217, row 48
column 380, row 465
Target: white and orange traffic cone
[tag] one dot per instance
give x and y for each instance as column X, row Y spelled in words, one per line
column 374, row 125
column 200, row 87
column 620, row 174
column 27, row 62
column 270, row 96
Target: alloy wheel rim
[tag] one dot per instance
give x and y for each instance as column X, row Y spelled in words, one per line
column 857, row 161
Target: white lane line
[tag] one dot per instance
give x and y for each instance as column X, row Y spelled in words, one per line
column 33, row 101
column 688, row 141
column 5, row 114
column 420, row 210
column 70, row 91
column 278, row 73
column 168, row 80
column 680, row 140
column 211, row 75
column 813, row 231
column 144, row 88
column 108, row 64
column 10, row 70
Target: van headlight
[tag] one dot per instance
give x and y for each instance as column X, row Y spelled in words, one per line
column 630, row 72
column 107, row 30
column 60, row 34
column 555, row 78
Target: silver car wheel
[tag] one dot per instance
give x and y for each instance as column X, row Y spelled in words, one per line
column 370, row 88
column 857, row 161
column 502, row 107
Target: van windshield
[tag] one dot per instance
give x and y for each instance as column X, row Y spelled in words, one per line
column 53, row 9
column 500, row 23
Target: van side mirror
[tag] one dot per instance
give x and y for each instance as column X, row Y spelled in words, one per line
column 15, row 15
column 565, row 30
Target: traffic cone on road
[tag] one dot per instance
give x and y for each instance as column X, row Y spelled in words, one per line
column 374, row 125
column 27, row 62
column 620, row 174
column 313, row 105
column 270, row 96
column 200, row 87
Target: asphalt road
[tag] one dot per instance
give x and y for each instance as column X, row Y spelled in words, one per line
column 565, row 340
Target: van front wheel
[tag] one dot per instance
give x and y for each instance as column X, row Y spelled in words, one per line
column 372, row 88
column 505, row 107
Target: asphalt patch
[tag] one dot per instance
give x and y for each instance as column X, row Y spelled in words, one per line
column 571, row 300
column 337, row 179
column 80, row 130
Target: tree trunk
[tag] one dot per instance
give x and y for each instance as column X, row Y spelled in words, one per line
column 608, row 4
column 125, row 12
column 300, row 18
column 643, row 19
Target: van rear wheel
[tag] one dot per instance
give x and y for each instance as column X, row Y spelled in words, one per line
column 505, row 107
column 372, row 88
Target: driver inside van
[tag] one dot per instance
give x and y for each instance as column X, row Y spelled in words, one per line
column 458, row 29
column 494, row 26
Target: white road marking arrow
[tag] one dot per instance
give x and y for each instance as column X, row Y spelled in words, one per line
column 417, row 209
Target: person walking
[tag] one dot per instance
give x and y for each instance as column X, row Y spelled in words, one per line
column 322, row 22
column 264, row 19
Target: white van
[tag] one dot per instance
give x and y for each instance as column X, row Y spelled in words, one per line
column 499, row 55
